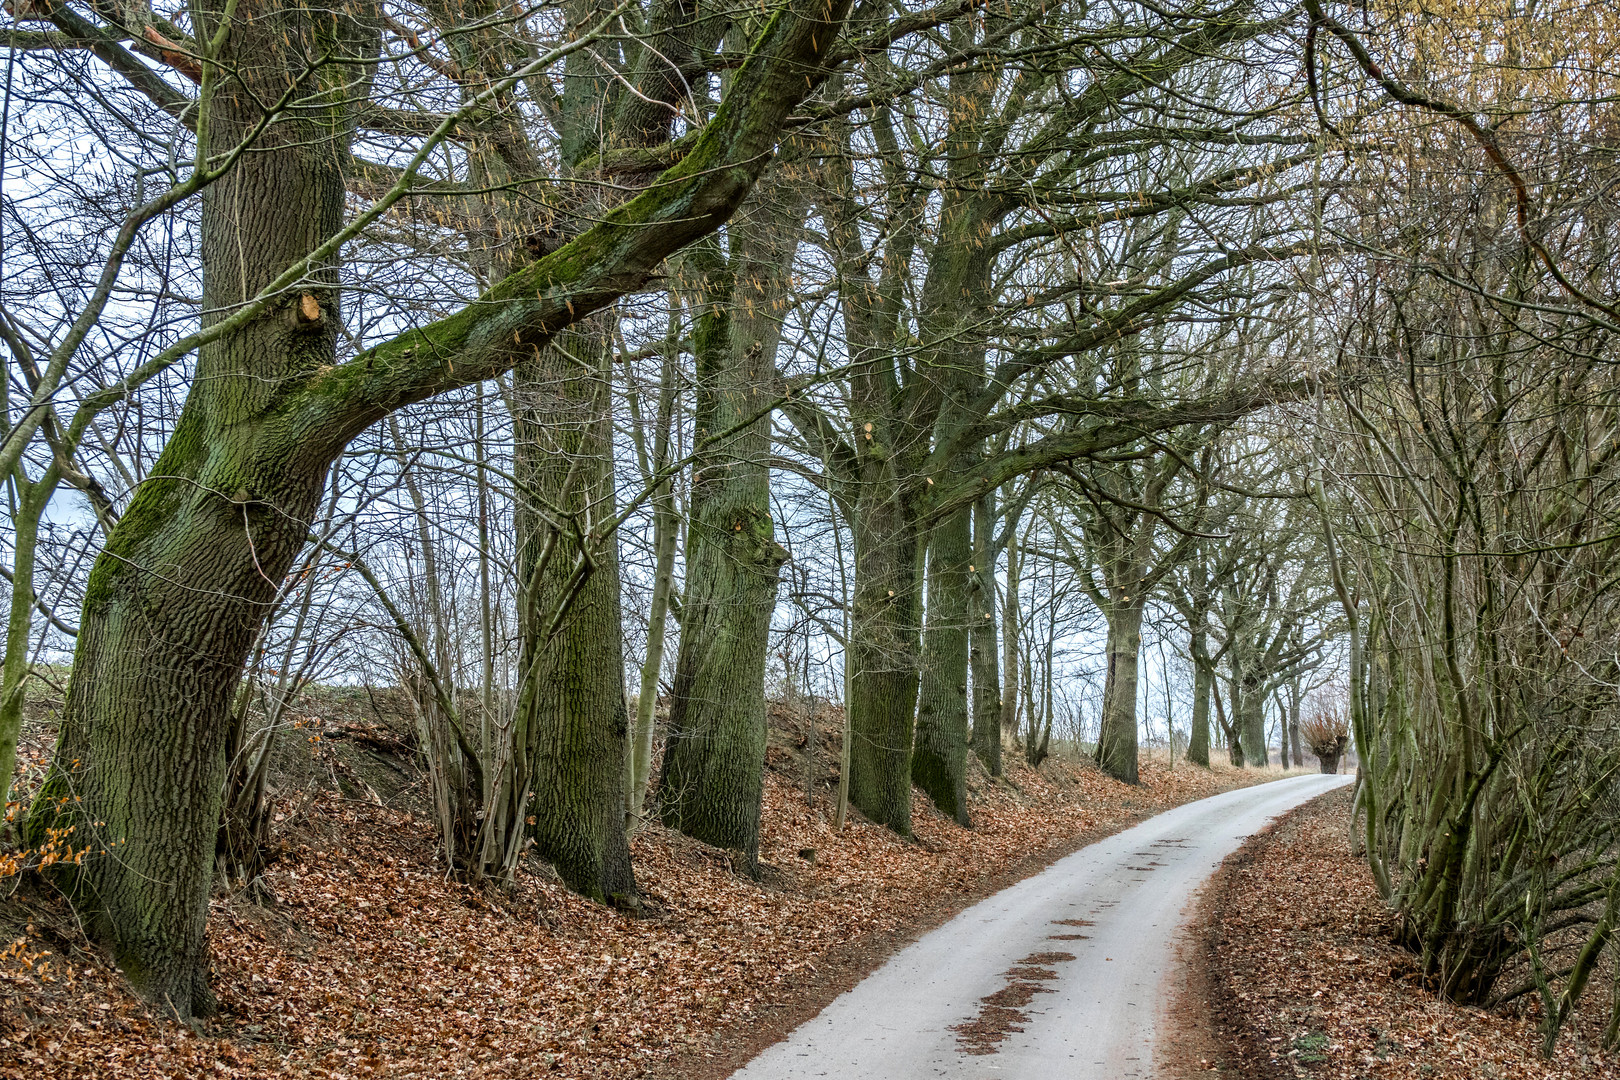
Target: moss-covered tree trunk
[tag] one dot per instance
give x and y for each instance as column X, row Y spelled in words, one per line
column 884, row 635
column 187, row 574
column 939, row 756
column 1117, row 739
column 573, row 641
column 174, row 601
column 710, row 786
column 1198, row 743
column 984, row 656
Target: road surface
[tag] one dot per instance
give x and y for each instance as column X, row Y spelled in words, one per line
column 1075, row 956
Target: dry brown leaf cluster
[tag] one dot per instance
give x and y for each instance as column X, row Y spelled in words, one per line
column 370, row 962
column 1311, row 983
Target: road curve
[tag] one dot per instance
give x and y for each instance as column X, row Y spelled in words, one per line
column 1060, row 977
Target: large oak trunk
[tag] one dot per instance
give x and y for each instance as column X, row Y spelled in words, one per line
column 710, row 786
column 883, row 651
column 573, row 643
column 175, row 599
column 188, row 572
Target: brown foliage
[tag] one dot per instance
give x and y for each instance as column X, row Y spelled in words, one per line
column 1309, row 973
column 372, row 962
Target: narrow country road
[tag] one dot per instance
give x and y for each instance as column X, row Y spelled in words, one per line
column 1075, row 956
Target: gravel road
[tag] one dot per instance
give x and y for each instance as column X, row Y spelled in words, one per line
column 1075, row 957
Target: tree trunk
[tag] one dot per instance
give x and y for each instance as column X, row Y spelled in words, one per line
column 1282, row 731
column 173, row 603
column 20, row 618
column 1330, row 755
column 983, row 655
column 883, row 647
column 1117, row 737
column 1230, row 723
column 939, row 758
column 1294, row 737
column 712, row 779
column 175, row 599
column 573, row 668
column 1010, row 619
column 1203, row 677
column 1252, row 723
column 666, row 531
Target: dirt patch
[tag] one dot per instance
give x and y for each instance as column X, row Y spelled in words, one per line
column 1290, row 970
column 1003, row 1013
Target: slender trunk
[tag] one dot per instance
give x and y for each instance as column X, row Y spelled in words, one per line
column 1039, row 742
column 987, row 703
column 841, row 812
column 1009, row 638
column 451, row 771
column 1117, row 739
column 1232, row 724
column 573, row 702
column 486, row 599
column 32, row 500
column 939, row 758
column 666, row 529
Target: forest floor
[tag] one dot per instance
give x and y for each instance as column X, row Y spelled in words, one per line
column 1304, row 979
column 368, row 960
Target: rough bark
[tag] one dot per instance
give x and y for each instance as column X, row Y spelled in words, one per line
column 883, row 647
column 1252, row 722
column 983, row 659
column 1203, row 680
column 1117, row 739
column 576, row 716
column 1294, row 736
column 187, row 574
column 939, row 756
column 711, row 783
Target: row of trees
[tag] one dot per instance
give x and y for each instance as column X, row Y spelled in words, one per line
column 523, row 355
column 545, row 271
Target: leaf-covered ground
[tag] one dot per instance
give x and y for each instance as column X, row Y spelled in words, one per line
column 370, row 962
column 1309, row 981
